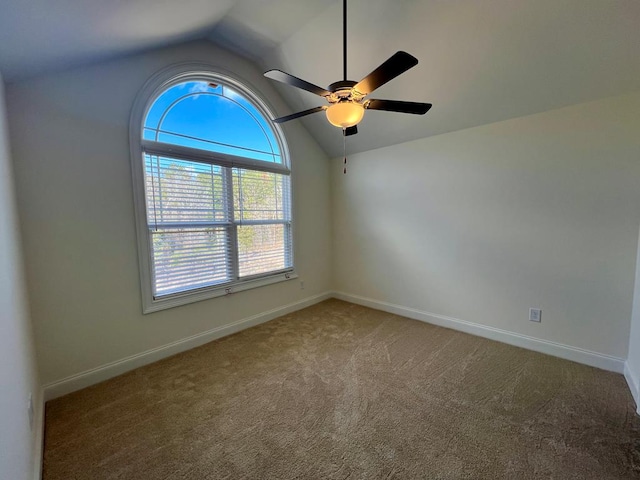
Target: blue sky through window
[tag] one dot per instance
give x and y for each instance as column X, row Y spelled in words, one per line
column 211, row 117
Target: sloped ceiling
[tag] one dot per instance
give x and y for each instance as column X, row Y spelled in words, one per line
column 481, row 61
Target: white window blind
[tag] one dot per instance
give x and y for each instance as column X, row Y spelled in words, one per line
column 212, row 224
column 264, row 232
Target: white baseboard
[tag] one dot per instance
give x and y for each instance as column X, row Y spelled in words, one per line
column 587, row 357
column 38, row 433
column 634, row 386
column 110, row 370
column 113, row 369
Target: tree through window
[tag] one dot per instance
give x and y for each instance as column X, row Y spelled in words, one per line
column 216, row 188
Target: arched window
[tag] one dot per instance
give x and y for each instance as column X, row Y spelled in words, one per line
column 213, row 190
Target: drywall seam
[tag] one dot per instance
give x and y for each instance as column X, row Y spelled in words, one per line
column 587, row 357
column 110, row 370
column 632, row 381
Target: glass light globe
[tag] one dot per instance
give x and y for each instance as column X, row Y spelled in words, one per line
column 345, row 114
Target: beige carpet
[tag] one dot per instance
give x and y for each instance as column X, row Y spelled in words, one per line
column 339, row 391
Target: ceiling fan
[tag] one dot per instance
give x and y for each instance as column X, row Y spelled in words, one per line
column 347, row 99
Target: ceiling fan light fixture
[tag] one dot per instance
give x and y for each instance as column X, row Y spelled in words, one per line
column 345, row 114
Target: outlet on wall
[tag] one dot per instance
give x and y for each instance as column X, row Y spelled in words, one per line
column 535, row 315
column 301, row 284
column 30, row 410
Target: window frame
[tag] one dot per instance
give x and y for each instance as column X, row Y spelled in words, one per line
column 154, row 87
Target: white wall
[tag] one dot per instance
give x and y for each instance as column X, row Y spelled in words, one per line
column 18, row 377
column 481, row 224
column 70, row 137
column 632, row 367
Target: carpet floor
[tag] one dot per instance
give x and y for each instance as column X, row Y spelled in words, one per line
column 339, row 391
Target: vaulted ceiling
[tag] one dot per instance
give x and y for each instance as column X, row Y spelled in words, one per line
column 481, row 61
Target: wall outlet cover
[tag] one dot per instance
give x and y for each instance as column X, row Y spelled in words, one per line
column 535, row 315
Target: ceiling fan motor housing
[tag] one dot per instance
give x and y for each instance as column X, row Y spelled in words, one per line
column 343, row 91
column 342, row 85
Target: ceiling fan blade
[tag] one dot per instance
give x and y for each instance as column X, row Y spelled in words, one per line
column 350, row 131
column 280, row 76
column 293, row 116
column 415, row 108
column 397, row 64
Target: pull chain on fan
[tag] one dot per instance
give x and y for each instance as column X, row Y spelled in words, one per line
column 346, row 99
column 344, row 149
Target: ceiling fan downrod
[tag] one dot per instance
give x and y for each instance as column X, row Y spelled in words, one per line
column 344, row 38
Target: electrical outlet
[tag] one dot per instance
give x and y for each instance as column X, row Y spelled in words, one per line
column 301, row 284
column 535, row 315
column 30, row 410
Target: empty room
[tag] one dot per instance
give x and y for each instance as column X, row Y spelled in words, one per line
column 319, row 239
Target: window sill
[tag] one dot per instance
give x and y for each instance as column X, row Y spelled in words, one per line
column 185, row 298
